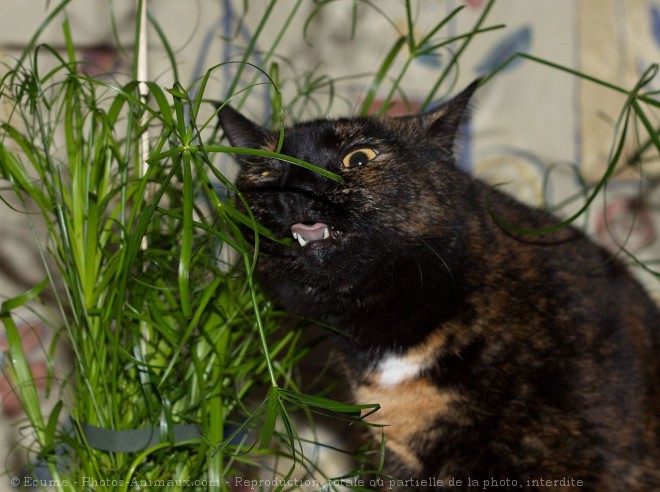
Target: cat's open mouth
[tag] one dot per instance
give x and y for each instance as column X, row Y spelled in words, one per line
column 312, row 234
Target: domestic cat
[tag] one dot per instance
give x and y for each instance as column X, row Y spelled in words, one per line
column 524, row 362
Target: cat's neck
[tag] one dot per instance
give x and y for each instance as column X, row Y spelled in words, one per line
column 415, row 306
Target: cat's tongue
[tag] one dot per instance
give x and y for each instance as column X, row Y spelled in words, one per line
column 305, row 233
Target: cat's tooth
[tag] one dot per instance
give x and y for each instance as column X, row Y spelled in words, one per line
column 326, row 233
column 299, row 238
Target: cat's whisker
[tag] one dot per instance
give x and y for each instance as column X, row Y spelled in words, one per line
column 441, row 259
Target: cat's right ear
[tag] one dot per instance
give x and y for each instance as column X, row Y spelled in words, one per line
column 241, row 132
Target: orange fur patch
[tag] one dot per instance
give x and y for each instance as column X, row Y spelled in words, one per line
column 408, row 410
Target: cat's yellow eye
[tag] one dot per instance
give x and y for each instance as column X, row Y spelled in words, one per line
column 358, row 157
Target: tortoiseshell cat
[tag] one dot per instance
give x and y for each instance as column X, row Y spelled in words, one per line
column 527, row 362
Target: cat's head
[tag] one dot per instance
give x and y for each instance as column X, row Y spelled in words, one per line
column 400, row 194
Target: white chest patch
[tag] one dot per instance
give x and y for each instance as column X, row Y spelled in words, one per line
column 396, row 369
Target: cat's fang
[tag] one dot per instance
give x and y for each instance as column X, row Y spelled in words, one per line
column 300, row 239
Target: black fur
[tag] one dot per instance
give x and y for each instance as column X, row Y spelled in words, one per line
column 538, row 354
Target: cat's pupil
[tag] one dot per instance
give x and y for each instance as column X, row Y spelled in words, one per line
column 358, row 159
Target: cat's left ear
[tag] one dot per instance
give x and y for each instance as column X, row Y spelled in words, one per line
column 443, row 122
column 241, row 132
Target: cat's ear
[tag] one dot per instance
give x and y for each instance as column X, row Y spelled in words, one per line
column 240, row 131
column 443, row 122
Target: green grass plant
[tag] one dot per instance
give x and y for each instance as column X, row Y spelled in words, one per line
column 173, row 346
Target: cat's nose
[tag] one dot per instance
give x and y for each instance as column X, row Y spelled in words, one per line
column 304, row 180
